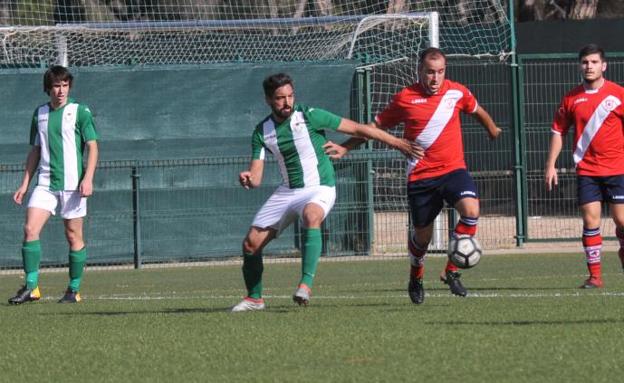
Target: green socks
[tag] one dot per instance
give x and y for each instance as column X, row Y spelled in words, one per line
column 312, row 247
column 31, row 257
column 252, row 273
column 77, row 260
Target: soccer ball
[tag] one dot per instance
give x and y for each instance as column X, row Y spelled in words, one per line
column 464, row 251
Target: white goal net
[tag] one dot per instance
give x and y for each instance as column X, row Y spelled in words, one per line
column 138, row 32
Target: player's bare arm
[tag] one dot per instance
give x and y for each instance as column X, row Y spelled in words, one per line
column 550, row 172
column 336, row 151
column 252, row 178
column 488, row 123
column 32, row 161
column 86, row 185
column 370, row 131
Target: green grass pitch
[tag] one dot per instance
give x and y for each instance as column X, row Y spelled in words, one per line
column 525, row 321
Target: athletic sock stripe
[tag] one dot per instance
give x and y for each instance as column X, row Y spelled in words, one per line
column 591, row 232
column 469, row 221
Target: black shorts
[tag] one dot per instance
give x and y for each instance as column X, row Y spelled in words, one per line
column 591, row 189
column 426, row 197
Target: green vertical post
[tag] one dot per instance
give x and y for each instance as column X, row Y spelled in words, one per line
column 136, row 216
column 364, row 115
column 519, row 138
column 368, row 99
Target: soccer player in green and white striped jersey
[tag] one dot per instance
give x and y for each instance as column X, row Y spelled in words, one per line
column 60, row 131
column 294, row 134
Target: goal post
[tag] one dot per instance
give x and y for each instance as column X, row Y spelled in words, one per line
column 379, row 38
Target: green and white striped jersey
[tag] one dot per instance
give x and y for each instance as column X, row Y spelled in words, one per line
column 61, row 133
column 297, row 144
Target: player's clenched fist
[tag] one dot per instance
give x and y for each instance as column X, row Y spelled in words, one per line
column 245, row 179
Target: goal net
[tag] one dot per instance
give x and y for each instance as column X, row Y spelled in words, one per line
column 98, row 32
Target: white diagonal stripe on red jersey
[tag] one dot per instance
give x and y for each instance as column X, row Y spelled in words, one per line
column 593, row 126
column 437, row 123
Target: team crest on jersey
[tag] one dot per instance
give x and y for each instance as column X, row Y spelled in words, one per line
column 450, row 103
column 609, row 104
column 298, row 126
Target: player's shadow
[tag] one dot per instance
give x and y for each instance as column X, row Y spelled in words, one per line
column 518, row 288
column 176, row 311
column 201, row 310
column 527, row 322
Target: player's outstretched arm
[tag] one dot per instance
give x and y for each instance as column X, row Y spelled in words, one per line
column 252, row 178
column 32, row 161
column 488, row 123
column 550, row 172
column 86, row 185
column 337, row 151
column 371, row 131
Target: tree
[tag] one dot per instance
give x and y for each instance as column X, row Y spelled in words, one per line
column 535, row 10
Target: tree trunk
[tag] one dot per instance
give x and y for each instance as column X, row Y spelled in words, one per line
column 5, row 13
column 583, row 9
column 532, row 10
column 325, row 7
column 397, row 6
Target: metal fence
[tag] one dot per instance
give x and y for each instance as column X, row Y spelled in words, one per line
column 544, row 79
column 180, row 210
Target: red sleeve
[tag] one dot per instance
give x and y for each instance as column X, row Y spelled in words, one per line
column 392, row 115
column 561, row 124
column 469, row 102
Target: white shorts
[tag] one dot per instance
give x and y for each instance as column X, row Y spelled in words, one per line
column 71, row 203
column 285, row 205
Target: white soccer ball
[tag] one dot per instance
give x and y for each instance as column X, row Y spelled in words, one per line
column 464, row 251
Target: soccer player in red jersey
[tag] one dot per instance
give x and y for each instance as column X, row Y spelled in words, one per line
column 430, row 111
column 596, row 109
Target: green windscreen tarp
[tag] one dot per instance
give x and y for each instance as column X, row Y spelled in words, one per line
column 166, row 113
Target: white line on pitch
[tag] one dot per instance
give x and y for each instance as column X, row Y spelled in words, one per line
column 351, row 297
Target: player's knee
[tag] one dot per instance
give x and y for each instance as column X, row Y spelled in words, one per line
column 313, row 216
column 74, row 237
column 470, row 210
column 31, row 232
column 249, row 247
column 422, row 236
column 618, row 220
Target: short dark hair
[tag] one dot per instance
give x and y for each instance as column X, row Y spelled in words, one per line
column 275, row 81
column 591, row 49
column 54, row 74
column 430, row 53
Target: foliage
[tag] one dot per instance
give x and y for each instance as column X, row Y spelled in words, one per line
column 536, row 10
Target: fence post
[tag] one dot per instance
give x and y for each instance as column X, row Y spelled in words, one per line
column 136, row 216
column 517, row 100
column 370, row 171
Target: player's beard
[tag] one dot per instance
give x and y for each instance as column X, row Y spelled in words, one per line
column 284, row 112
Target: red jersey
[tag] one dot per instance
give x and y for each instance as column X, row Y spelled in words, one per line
column 599, row 136
column 433, row 122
